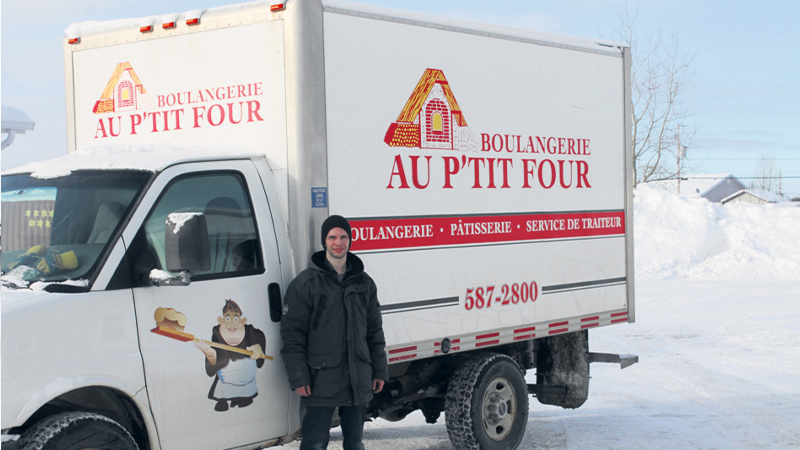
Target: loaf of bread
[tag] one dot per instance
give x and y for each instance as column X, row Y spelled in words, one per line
column 169, row 319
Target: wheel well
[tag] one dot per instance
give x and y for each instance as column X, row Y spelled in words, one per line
column 487, row 403
column 422, row 384
column 106, row 401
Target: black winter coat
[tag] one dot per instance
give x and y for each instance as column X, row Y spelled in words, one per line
column 333, row 334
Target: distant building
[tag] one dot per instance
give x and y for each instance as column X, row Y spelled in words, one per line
column 712, row 187
column 754, row 196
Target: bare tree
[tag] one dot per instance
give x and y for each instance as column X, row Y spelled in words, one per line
column 765, row 173
column 659, row 112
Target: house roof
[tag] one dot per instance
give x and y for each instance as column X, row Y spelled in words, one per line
column 766, row 196
column 696, row 185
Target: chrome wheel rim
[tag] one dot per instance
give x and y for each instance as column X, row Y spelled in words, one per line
column 499, row 409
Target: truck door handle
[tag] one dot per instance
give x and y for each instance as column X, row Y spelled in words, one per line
column 275, row 303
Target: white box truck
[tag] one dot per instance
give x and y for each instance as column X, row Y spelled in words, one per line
column 485, row 171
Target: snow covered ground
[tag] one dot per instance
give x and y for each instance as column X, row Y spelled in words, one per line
column 717, row 314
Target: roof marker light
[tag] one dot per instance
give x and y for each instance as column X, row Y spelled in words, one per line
column 168, row 25
column 194, row 21
column 276, row 6
column 76, row 40
column 146, row 29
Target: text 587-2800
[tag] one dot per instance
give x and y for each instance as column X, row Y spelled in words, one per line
column 483, row 297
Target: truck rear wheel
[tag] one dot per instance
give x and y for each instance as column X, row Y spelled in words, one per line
column 77, row 431
column 486, row 406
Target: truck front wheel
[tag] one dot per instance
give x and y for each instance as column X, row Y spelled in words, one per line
column 77, row 431
column 486, row 406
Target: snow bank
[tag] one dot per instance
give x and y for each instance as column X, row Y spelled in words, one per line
column 679, row 237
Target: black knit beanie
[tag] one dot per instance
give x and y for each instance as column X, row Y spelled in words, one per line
column 334, row 222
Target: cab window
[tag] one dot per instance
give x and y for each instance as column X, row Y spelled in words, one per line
column 223, row 199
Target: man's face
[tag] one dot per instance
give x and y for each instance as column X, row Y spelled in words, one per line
column 337, row 243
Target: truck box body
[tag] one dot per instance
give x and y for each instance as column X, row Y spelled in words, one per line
column 485, row 172
column 523, row 186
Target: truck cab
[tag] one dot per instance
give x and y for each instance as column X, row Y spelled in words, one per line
column 86, row 267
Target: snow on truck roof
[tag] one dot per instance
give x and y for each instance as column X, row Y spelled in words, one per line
column 147, row 157
column 471, row 27
column 85, row 29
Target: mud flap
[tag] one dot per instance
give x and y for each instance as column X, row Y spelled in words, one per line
column 562, row 363
column 562, row 370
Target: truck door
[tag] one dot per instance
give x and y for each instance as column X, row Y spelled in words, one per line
column 205, row 390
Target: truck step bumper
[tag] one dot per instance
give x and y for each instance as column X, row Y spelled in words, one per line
column 623, row 360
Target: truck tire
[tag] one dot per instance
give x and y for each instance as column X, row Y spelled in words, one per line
column 77, row 431
column 486, row 406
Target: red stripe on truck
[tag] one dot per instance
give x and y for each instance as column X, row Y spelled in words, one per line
column 489, row 338
column 623, row 317
column 403, row 358
column 525, row 330
column 403, row 350
column 420, row 232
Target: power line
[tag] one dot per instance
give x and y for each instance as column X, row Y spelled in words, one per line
column 753, row 178
column 744, row 159
column 792, row 177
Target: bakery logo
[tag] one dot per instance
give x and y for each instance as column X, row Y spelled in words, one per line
column 431, row 118
column 126, row 109
column 124, row 92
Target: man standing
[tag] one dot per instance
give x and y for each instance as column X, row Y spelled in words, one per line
column 333, row 343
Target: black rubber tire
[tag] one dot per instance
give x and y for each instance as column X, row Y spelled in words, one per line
column 486, row 406
column 77, row 431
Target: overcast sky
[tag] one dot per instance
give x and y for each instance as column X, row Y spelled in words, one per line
column 744, row 90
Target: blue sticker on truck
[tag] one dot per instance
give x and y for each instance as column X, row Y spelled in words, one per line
column 319, row 197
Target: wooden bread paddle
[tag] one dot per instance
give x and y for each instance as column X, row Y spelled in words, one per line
column 186, row 337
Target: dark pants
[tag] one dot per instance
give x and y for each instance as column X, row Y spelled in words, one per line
column 317, row 427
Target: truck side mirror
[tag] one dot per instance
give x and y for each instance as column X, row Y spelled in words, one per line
column 186, row 246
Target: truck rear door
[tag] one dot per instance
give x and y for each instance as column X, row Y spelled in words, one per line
column 202, row 394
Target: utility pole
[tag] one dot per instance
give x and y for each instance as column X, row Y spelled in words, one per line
column 681, row 153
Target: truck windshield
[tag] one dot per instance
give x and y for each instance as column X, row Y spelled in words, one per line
column 57, row 230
